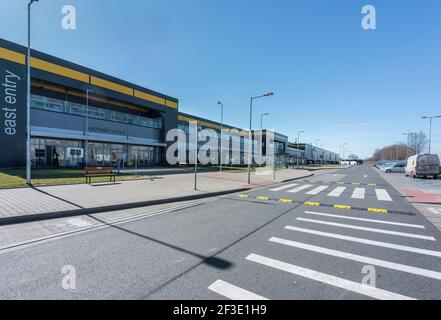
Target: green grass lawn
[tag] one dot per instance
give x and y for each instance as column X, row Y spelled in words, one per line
column 12, row 178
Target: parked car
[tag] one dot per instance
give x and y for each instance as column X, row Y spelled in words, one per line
column 395, row 167
column 423, row 165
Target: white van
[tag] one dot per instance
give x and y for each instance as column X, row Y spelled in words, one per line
column 423, row 165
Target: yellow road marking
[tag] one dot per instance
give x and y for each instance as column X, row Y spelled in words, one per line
column 377, row 210
column 314, row 204
column 263, row 198
column 286, row 201
column 341, row 206
column 243, row 196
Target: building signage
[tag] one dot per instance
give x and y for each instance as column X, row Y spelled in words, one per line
column 12, row 114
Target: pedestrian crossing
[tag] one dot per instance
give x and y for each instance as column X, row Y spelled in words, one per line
column 326, row 276
column 333, row 192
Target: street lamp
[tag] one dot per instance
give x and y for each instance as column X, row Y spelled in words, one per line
column 28, row 98
column 407, row 134
column 250, row 137
column 396, row 143
column 316, row 151
column 222, row 127
column 298, row 146
column 342, row 150
column 261, row 119
column 430, row 130
column 86, row 130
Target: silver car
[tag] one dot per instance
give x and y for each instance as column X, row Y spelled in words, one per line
column 396, row 167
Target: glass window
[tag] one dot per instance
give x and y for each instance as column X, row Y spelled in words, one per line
column 54, row 105
column 76, row 109
column 132, row 119
column 98, row 113
column 118, row 116
column 37, row 102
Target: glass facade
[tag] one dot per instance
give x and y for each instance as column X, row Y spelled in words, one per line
column 77, row 109
column 52, row 153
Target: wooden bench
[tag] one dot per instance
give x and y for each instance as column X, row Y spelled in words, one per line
column 95, row 172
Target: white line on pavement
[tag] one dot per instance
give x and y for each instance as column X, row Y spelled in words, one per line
column 328, row 279
column 232, row 292
column 306, row 186
column 362, row 259
column 368, row 220
column 284, row 187
column 358, row 193
column 367, row 241
column 382, row 195
column 99, row 226
column 337, row 192
column 317, row 190
column 349, row 226
column 435, row 211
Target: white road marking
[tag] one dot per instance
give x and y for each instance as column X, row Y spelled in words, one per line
column 337, row 192
column 382, row 195
column 367, row 241
column 358, row 193
column 328, row 279
column 435, row 211
column 306, row 186
column 284, row 187
column 106, row 224
column 363, row 259
column 349, row 226
column 317, row 190
column 365, row 176
column 233, row 292
column 368, row 220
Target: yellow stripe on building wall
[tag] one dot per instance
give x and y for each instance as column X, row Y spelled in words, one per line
column 62, row 71
column 149, row 97
column 12, row 56
column 171, row 104
column 111, row 85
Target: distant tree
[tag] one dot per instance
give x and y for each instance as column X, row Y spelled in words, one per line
column 393, row 152
column 418, row 142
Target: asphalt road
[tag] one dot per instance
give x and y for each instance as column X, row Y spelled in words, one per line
column 233, row 247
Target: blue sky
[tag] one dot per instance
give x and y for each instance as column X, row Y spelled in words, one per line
column 332, row 79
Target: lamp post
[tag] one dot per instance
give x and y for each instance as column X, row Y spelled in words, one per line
column 222, row 127
column 316, row 149
column 250, row 137
column 396, row 143
column 86, row 130
column 28, row 98
column 298, row 146
column 407, row 134
column 342, row 150
column 261, row 119
column 430, row 130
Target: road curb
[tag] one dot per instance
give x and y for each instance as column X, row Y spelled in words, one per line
column 86, row 211
column 116, row 207
column 298, row 178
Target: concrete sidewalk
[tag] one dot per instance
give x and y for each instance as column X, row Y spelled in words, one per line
column 423, row 194
column 28, row 204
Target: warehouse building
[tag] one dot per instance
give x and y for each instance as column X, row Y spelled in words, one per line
column 80, row 116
